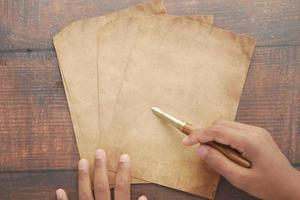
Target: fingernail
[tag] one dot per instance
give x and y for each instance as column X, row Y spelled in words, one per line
column 100, row 154
column 124, row 158
column 185, row 140
column 142, row 198
column 59, row 194
column 83, row 165
column 202, row 151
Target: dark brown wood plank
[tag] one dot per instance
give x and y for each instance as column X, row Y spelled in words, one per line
column 36, row 131
column 271, row 97
column 37, row 185
column 42, row 185
column 31, row 24
column 35, row 126
column 272, row 22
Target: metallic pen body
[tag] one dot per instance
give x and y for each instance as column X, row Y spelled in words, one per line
column 172, row 120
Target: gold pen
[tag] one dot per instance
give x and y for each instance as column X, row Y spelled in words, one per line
column 187, row 128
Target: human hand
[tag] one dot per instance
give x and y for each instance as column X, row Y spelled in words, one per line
column 101, row 184
column 271, row 175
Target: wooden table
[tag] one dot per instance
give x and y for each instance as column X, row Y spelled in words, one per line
column 38, row 152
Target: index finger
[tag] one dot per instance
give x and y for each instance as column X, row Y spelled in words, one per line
column 225, row 135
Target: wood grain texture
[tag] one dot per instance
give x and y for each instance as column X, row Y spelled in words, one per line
column 31, row 24
column 41, row 185
column 271, row 97
column 38, row 153
column 271, row 22
column 36, row 130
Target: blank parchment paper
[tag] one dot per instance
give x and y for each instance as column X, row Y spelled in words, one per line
column 114, row 49
column 76, row 48
column 115, row 43
column 192, row 70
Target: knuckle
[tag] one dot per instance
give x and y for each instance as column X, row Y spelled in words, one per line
column 253, row 142
column 219, row 122
column 261, row 134
column 100, row 186
column 266, row 133
column 82, row 175
column 215, row 128
column 99, row 164
column 84, row 196
column 244, row 140
column 122, row 183
column 262, row 131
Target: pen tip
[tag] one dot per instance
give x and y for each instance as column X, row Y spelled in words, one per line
column 157, row 111
column 154, row 109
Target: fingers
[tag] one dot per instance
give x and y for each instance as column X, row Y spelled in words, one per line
column 224, row 135
column 84, row 183
column 122, row 184
column 142, row 198
column 217, row 161
column 197, row 136
column 61, row 195
column 101, row 183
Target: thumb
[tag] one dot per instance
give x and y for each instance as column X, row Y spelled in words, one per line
column 218, row 162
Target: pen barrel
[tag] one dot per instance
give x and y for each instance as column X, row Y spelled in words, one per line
column 226, row 150
column 231, row 154
column 187, row 129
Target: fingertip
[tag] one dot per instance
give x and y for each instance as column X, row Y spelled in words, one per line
column 185, row 140
column 124, row 160
column 83, row 165
column 191, row 139
column 202, row 151
column 100, row 154
column 143, row 198
column 198, row 136
column 60, row 194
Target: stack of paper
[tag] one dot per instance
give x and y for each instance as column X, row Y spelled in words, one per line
column 116, row 67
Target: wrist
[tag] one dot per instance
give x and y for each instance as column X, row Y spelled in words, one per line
column 287, row 188
column 292, row 191
column 295, row 186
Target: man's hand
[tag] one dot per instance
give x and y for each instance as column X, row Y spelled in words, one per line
column 101, row 184
column 271, row 175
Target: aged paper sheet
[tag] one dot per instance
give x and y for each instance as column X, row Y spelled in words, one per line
column 114, row 49
column 192, row 70
column 115, row 44
column 76, row 49
column 85, row 145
